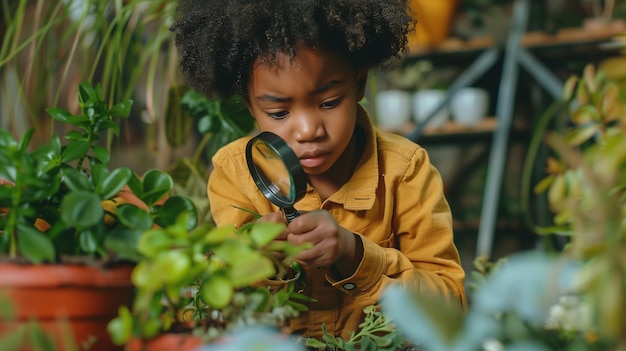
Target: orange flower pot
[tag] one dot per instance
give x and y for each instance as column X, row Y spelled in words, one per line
column 56, row 296
column 166, row 342
column 434, row 19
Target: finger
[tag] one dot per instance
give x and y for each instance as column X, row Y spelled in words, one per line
column 276, row 217
column 313, row 258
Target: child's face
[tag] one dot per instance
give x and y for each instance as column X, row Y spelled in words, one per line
column 310, row 101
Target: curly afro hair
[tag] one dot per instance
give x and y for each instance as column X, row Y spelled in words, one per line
column 218, row 41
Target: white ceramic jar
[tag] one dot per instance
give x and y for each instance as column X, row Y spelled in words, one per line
column 393, row 109
column 424, row 103
column 469, row 106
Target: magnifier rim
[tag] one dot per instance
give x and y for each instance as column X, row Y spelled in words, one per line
column 289, row 159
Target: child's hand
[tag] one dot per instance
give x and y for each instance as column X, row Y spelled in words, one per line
column 331, row 242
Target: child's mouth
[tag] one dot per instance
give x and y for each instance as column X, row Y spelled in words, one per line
column 312, row 161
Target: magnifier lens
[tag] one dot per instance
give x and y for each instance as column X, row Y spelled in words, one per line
column 276, row 170
column 273, row 172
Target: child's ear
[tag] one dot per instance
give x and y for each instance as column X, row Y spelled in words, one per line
column 361, row 81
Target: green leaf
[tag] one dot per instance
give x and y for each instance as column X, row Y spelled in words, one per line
column 114, row 182
column 568, row 87
column 34, row 245
column 123, row 242
column 81, row 209
column 216, row 291
column 98, row 175
column 262, row 233
column 154, row 241
column 172, row 208
column 59, row 114
column 6, row 140
column 74, row 135
column 250, row 269
column 133, row 217
column 314, row 343
column 25, row 141
column 174, row 265
column 219, row 234
column 102, row 154
column 105, row 124
column 121, row 327
column 121, row 109
column 231, row 251
column 87, row 95
column 205, row 125
column 89, row 240
column 74, row 151
column 136, row 186
column 76, row 180
column 543, row 185
column 55, row 144
column 155, row 185
column 297, row 306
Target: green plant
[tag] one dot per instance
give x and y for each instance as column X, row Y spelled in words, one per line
column 573, row 299
column 375, row 333
column 217, row 122
column 419, row 75
column 125, row 46
column 210, row 280
column 63, row 200
column 586, row 188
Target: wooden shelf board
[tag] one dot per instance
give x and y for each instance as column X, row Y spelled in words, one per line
column 530, row 40
column 452, row 130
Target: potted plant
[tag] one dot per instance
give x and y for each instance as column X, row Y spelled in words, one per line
column 206, row 282
column 69, row 223
column 572, row 299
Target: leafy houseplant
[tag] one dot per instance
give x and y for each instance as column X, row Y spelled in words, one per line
column 209, row 281
column 69, row 225
column 63, row 199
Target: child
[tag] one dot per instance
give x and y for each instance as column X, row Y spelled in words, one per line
column 374, row 208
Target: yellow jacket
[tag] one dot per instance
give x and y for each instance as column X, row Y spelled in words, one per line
column 394, row 201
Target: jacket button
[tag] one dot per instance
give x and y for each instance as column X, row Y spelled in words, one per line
column 349, row 286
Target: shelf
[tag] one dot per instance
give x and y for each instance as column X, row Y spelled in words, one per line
column 580, row 39
column 453, row 132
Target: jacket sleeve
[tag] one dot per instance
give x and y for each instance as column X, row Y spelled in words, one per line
column 228, row 190
column 423, row 256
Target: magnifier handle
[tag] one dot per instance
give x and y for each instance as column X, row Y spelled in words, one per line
column 290, row 213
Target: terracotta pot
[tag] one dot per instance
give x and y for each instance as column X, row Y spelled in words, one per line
column 165, row 342
column 434, row 19
column 82, row 297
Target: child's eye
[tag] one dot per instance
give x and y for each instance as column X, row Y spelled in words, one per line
column 330, row 104
column 278, row 115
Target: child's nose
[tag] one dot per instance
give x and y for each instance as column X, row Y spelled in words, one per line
column 309, row 128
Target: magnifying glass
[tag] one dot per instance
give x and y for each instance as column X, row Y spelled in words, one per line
column 277, row 172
